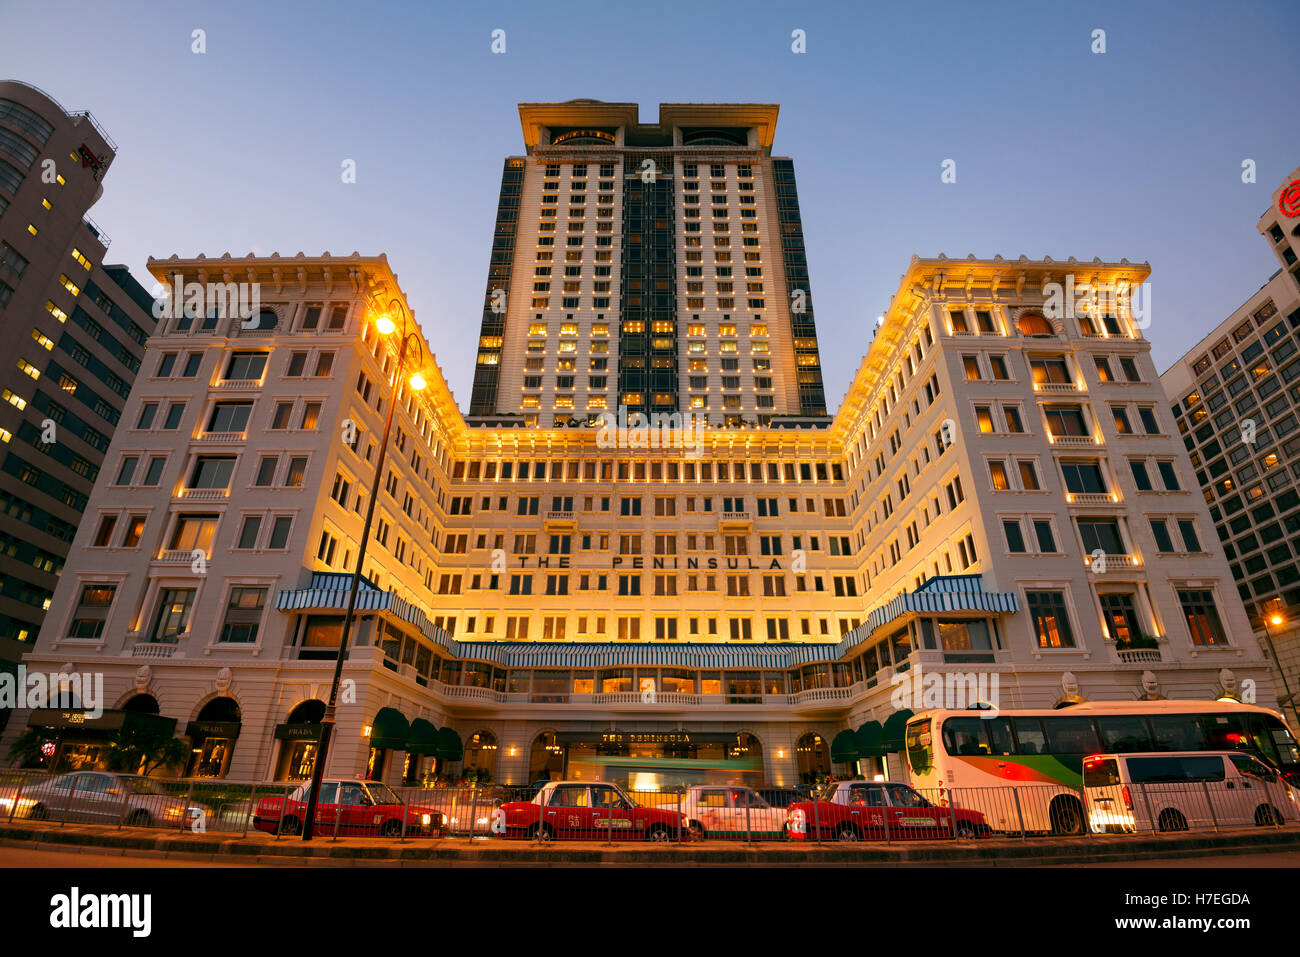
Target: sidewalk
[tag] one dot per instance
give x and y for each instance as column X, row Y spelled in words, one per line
column 262, row 849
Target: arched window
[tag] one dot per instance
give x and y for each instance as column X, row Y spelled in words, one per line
column 481, row 755
column 812, row 757
column 142, row 704
column 546, row 761
column 311, row 711
column 1032, row 324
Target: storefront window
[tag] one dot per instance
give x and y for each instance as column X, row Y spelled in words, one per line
column 519, row 681
column 677, row 682
column 584, row 682
column 615, row 680
column 744, row 687
column 550, row 687
column 710, row 682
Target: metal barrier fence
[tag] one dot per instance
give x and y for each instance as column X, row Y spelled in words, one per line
column 604, row 813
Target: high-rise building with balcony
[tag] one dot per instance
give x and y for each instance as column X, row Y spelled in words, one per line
column 654, row 266
column 1236, row 398
column 74, row 331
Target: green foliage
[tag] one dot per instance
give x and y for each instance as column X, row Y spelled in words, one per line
column 145, row 750
column 26, row 748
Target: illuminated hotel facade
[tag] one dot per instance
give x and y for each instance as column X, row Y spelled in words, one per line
column 540, row 601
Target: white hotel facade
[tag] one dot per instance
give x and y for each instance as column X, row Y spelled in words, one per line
column 547, row 605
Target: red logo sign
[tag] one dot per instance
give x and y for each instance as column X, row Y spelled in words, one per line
column 1288, row 203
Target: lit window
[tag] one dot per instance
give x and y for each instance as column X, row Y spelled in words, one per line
column 55, row 311
column 27, row 367
column 85, row 263
column 69, row 285
column 45, row 341
column 17, row 401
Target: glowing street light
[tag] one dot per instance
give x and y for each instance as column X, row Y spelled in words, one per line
column 410, row 342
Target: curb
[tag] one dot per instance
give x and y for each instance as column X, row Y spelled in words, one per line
column 450, row 853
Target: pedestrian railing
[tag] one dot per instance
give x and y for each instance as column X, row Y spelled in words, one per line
column 604, row 814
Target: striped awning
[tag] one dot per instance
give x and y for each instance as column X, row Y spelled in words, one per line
column 946, row 594
column 951, row 593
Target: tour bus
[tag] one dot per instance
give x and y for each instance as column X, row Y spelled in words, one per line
column 1023, row 769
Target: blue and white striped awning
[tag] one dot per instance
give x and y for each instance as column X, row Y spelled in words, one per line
column 957, row 593
column 950, row 593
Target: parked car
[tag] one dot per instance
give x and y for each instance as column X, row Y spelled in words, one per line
column 784, row 797
column 731, row 811
column 582, row 810
column 350, row 809
column 103, row 797
column 876, row 810
column 1177, row 790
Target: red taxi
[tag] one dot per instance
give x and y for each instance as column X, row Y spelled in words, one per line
column 865, row 810
column 349, row 809
column 586, row 811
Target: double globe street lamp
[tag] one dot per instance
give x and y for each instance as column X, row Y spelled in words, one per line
column 409, row 346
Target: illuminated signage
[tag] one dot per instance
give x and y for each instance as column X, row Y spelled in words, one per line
column 1288, row 204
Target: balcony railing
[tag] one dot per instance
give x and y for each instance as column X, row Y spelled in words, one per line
column 1112, row 562
column 180, row 556
column 1056, row 387
column 1090, row 498
column 560, row 516
column 1138, row 656
column 204, row 494
column 222, row 436
column 1073, row 440
column 153, row 649
column 235, row 385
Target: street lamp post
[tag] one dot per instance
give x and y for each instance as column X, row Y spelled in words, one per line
column 1276, row 619
column 386, row 327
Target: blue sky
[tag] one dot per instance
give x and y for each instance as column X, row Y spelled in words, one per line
column 1132, row 153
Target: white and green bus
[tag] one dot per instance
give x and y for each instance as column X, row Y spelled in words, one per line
column 1023, row 769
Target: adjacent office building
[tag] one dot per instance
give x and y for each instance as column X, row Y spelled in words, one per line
column 1236, row 399
column 1002, row 493
column 74, row 330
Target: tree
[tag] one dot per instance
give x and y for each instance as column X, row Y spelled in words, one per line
column 26, row 748
column 145, row 750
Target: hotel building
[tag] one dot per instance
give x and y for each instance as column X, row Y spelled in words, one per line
column 75, row 331
column 542, row 601
column 1236, row 399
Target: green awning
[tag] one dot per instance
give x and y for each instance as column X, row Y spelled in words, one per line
column 895, row 727
column 844, row 749
column 871, row 740
column 423, row 738
column 389, row 730
column 449, row 745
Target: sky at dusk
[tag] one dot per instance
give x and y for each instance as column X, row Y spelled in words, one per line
column 1135, row 153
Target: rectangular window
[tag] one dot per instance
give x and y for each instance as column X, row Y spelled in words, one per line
column 1051, row 623
column 92, row 611
column 1202, row 617
column 243, row 615
column 172, row 617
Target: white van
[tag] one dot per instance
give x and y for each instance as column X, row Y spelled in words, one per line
column 1178, row 790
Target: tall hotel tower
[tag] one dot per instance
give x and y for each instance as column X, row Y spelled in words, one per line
column 655, row 266
column 74, row 331
column 538, row 601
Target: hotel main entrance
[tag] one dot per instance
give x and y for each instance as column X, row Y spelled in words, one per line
column 649, row 760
